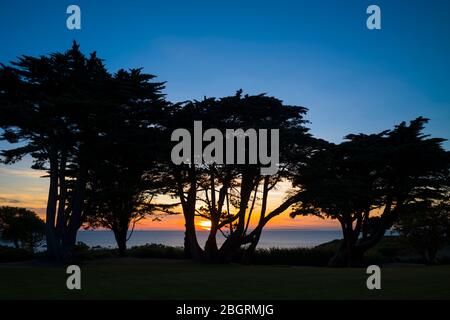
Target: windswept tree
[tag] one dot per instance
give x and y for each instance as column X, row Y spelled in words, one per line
column 60, row 109
column 124, row 183
column 367, row 181
column 233, row 192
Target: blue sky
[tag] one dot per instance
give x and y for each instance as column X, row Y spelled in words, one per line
column 318, row 54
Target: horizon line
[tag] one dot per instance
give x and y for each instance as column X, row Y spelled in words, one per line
column 182, row 230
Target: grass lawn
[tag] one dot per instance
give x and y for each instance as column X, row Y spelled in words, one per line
column 174, row 279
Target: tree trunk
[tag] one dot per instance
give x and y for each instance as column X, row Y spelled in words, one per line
column 121, row 239
column 191, row 247
column 61, row 211
column 348, row 254
column 75, row 221
column 233, row 243
column 50, row 232
column 68, row 245
column 230, row 247
column 211, row 250
column 339, row 259
column 250, row 252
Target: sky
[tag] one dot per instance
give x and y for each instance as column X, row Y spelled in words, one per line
column 317, row 54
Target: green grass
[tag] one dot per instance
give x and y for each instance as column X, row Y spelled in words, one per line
column 180, row 279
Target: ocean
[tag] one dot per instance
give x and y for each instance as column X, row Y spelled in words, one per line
column 269, row 238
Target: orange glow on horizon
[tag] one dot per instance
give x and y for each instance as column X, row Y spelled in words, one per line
column 26, row 189
column 283, row 221
column 204, row 225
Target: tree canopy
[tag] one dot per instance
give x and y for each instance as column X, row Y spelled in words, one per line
column 368, row 180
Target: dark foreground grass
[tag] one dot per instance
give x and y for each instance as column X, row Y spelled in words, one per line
column 180, row 279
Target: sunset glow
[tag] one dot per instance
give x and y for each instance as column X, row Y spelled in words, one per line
column 27, row 188
column 204, row 225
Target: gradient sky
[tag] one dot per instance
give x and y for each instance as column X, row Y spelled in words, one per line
column 316, row 54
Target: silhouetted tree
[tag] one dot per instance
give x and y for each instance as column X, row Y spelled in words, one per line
column 123, row 180
column 22, row 227
column 124, row 185
column 229, row 194
column 367, row 181
column 63, row 108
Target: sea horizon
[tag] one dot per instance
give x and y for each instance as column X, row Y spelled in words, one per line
column 271, row 238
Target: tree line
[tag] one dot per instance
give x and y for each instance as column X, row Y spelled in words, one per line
column 104, row 141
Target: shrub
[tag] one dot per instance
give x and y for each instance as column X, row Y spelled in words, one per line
column 156, row 251
column 9, row 254
column 296, row 256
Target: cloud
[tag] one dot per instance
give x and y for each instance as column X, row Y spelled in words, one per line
column 21, row 172
column 25, row 200
column 9, row 201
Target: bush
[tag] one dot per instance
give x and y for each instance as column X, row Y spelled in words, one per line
column 444, row 260
column 83, row 252
column 81, row 247
column 374, row 257
column 156, row 251
column 317, row 256
column 9, row 254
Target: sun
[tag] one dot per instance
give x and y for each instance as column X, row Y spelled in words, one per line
column 205, row 225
